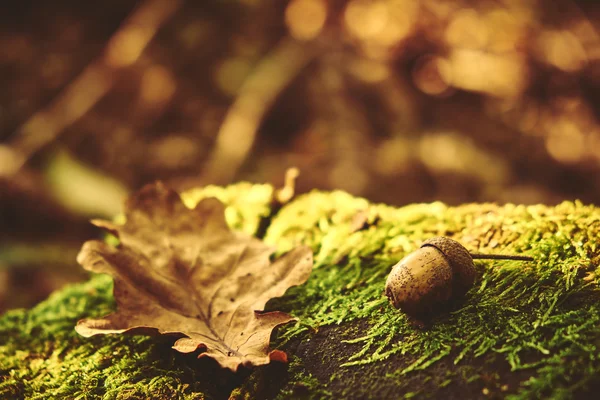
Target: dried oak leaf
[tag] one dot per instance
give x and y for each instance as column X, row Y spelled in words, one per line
column 183, row 271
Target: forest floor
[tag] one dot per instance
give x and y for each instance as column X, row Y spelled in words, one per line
column 525, row 330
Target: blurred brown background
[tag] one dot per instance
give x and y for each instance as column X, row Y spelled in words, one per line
column 399, row 101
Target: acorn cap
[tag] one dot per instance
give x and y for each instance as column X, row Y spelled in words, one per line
column 460, row 261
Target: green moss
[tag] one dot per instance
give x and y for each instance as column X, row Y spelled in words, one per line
column 541, row 317
column 248, row 203
column 526, row 330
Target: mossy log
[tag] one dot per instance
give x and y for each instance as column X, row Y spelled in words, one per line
column 525, row 330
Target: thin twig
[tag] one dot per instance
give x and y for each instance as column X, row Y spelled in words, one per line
column 280, row 198
column 258, row 93
column 477, row 256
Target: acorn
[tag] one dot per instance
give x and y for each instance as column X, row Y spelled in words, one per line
column 438, row 273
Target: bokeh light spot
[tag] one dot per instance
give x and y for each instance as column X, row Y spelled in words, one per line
column 505, row 30
column 449, row 152
column 174, row 151
column 158, row 85
column 126, row 47
column 498, row 75
column 369, row 70
column 230, row 74
column 305, row 18
column 427, row 75
column 365, row 19
column 566, row 143
column 402, row 15
column 394, row 156
column 563, row 50
column 348, row 176
column 192, row 35
column 467, row 30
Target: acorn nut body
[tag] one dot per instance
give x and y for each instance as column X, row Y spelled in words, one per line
column 441, row 270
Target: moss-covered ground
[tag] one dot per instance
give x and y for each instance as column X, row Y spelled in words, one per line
column 526, row 330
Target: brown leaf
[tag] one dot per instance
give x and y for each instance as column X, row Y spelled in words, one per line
column 183, row 271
